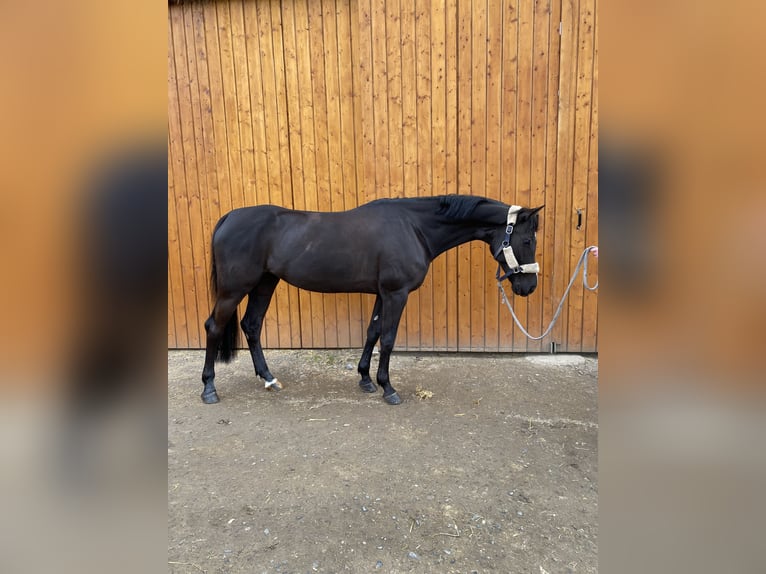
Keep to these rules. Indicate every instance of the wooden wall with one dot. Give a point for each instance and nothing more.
(327, 104)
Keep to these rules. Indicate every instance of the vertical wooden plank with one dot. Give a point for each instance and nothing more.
(361, 38)
(359, 78)
(367, 89)
(361, 15)
(523, 140)
(256, 162)
(464, 101)
(410, 325)
(348, 95)
(590, 302)
(280, 125)
(180, 335)
(423, 336)
(567, 91)
(267, 81)
(286, 297)
(325, 326)
(274, 324)
(194, 163)
(334, 151)
(187, 198)
(478, 162)
(172, 257)
(257, 192)
(212, 191)
(231, 103)
(380, 99)
(238, 82)
(380, 187)
(493, 159)
(540, 46)
(451, 157)
(506, 334)
(218, 112)
(294, 61)
(312, 306)
(580, 171)
(218, 109)
(172, 342)
(438, 162)
(322, 154)
(391, 36)
(547, 235)
(189, 209)
(202, 227)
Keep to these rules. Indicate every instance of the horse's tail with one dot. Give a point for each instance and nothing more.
(213, 272)
(227, 348)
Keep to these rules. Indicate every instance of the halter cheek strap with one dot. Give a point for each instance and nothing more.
(510, 258)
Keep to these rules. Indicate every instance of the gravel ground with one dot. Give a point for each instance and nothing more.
(489, 465)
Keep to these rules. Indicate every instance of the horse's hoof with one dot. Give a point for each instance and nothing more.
(393, 398)
(210, 398)
(367, 386)
(274, 385)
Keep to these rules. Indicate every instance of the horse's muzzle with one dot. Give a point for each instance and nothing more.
(524, 290)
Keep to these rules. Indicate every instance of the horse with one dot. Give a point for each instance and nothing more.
(384, 247)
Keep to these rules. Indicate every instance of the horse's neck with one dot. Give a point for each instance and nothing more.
(444, 235)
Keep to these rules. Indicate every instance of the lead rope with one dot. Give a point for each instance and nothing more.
(582, 262)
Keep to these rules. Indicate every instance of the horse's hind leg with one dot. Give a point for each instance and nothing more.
(252, 323)
(373, 334)
(221, 328)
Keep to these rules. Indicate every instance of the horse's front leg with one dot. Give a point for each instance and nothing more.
(391, 313)
(373, 334)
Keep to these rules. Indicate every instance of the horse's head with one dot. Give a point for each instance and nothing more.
(514, 248)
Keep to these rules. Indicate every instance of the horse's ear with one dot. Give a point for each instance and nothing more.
(531, 212)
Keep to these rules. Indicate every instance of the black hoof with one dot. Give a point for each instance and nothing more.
(393, 398)
(367, 386)
(210, 398)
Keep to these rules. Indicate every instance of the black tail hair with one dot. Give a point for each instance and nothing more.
(227, 348)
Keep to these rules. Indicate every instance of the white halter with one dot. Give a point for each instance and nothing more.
(510, 258)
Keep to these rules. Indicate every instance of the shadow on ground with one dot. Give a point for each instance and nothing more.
(494, 472)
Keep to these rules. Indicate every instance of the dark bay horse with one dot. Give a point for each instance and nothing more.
(384, 247)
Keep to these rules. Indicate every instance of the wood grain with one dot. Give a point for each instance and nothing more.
(328, 104)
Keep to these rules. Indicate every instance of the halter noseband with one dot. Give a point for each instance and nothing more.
(507, 250)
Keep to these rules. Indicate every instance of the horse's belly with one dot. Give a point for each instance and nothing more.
(322, 283)
(328, 275)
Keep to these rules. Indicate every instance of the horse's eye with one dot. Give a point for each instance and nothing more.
(527, 241)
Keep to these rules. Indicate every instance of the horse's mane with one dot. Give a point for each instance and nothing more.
(451, 206)
(461, 206)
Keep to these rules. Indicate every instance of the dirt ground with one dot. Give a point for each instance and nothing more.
(496, 471)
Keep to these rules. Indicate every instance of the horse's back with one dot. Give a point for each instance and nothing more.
(322, 251)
